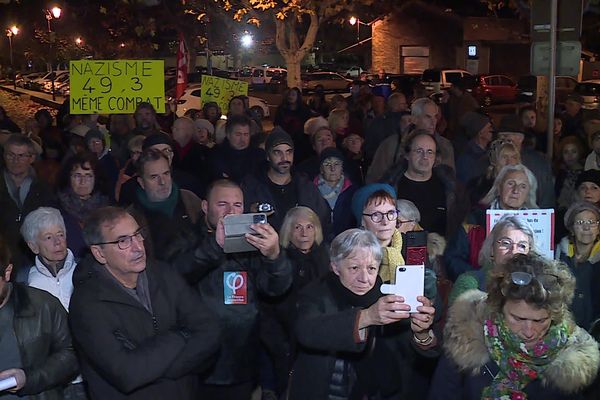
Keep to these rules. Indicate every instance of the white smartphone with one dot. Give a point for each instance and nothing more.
(410, 283)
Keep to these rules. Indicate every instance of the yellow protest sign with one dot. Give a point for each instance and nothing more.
(221, 90)
(116, 86)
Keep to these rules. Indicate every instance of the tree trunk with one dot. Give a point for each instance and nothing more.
(286, 40)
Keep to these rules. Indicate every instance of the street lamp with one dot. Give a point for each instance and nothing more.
(53, 13)
(247, 40)
(356, 21)
(12, 31)
(78, 41)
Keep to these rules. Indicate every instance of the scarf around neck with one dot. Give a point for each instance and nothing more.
(518, 365)
(166, 206)
(392, 257)
(330, 194)
(79, 208)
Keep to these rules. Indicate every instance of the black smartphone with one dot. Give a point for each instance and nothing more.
(414, 248)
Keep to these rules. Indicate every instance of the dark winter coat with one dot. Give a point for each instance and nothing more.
(325, 330)
(42, 332)
(128, 352)
(205, 267)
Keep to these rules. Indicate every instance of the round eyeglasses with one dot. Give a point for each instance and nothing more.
(377, 216)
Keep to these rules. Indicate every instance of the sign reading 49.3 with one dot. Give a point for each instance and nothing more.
(116, 86)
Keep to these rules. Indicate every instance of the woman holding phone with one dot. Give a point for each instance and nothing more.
(352, 343)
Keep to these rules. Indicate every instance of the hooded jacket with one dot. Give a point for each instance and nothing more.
(466, 368)
(586, 302)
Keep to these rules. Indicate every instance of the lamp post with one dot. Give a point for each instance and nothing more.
(53, 13)
(12, 31)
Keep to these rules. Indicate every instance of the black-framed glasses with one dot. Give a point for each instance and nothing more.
(377, 216)
(400, 222)
(124, 242)
(508, 244)
(522, 278)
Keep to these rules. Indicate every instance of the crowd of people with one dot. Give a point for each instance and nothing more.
(115, 282)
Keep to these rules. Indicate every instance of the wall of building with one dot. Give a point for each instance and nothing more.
(416, 25)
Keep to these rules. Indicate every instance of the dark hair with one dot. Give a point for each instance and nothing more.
(236, 120)
(299, 101)
(79, 160)
(16, 139)
(43, 113)
(240, 98)
(221, 183)
(145, 105)
(379, 197)
(92, 228)
(149, 155)
(5, 257)
(410, 138)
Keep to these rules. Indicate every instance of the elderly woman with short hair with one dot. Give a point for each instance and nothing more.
(509, 236)
(519, 340)
(45, 234)
(514, 189)
(352, 343)
(408, 216)
(580, 250)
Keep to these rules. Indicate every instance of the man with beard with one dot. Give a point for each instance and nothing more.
(145, 120)
(277, 190)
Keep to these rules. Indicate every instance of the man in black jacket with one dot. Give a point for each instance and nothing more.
(140, 331)
(21, 192)
(35, 344)
(230, 284)
(278, 187)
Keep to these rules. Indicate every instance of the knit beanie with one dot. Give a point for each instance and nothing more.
(359, 200)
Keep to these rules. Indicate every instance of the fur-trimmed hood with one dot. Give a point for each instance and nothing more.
(572, 370)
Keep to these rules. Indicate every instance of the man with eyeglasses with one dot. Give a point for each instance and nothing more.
(141, 332)
(21, 192)
(432, 190)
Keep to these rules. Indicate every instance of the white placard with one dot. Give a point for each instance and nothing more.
(8, 383)
(541, 221)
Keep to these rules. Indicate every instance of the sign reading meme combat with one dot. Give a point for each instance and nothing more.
(116, 86)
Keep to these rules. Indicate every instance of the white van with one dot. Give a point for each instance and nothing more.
(262, 75)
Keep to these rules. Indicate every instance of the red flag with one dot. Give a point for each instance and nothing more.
(182, 68)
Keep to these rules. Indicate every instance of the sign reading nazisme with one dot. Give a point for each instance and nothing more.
(221, 90)
(116, 86)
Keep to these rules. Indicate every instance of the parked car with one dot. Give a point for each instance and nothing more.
(590, 91)
(494, 89)
(60, 79)
(24, 80)
(191, 99)
(326, 81)
(527, 85)
(263, 75)
(353, 72)
(39, 83)
(435, 79)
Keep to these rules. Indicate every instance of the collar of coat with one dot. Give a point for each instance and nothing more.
(567, 247)
(572, 370)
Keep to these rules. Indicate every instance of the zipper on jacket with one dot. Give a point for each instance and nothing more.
(154, 323)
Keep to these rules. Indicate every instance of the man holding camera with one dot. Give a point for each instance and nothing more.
(230, 284)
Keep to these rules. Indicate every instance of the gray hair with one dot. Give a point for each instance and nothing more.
(417, 107)
(350, 240)
(312, 124)
(39, 219)
(507, 221)
(407, 209)
(576, 208)
(494, 192)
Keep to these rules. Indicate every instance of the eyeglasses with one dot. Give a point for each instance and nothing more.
(82, 177)
(12, 156)
(332, 164)
(124, 242)
(507, 244)
(377, 216)
(400, 222)
(521, 278)
(589, 222)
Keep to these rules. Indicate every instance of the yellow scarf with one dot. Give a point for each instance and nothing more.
(392, 257)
